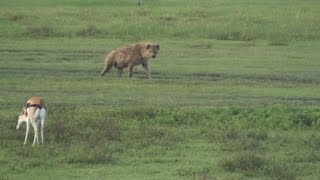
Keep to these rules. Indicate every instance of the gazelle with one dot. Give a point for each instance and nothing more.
(34, 111)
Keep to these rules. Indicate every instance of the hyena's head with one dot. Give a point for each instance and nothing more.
(151, 50)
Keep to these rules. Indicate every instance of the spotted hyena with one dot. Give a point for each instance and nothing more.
(130, 56)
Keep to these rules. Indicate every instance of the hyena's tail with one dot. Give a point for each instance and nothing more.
(108, 65)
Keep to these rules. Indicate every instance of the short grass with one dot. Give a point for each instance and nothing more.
(234, 94)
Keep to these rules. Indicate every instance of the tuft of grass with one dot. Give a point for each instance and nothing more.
(103, 132)
(195, 172)
(312, 141)
(39, 31)
(305, 119)
(90, 30)
(16, 17)
(310, 157)
(61, 131)
(86, 155)
(277, 43)
(248, 162)
(258, 134)
(280, 170)
(235, 36)
(252, 164)
(234, 140)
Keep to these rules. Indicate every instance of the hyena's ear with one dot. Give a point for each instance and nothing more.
(157, 46)
(148, 46)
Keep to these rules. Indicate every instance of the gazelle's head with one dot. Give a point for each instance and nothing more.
(22, 117)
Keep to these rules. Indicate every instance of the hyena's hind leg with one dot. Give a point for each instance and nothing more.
(106, 68)
(130, 69)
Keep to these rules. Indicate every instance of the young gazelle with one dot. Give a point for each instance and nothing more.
(33, 112)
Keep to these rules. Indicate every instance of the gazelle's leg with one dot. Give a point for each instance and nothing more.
(27, 132)
(42, 128)
(35, 129)
(37, 135)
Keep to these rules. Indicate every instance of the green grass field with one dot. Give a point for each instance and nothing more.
(234, 94)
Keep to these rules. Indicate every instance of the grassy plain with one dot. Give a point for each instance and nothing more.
(234, 94)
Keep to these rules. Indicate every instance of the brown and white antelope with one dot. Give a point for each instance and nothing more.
(34, 111)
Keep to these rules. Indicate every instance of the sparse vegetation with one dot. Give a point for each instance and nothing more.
(234, 94)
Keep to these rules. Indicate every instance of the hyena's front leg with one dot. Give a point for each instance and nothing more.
(146, 68)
